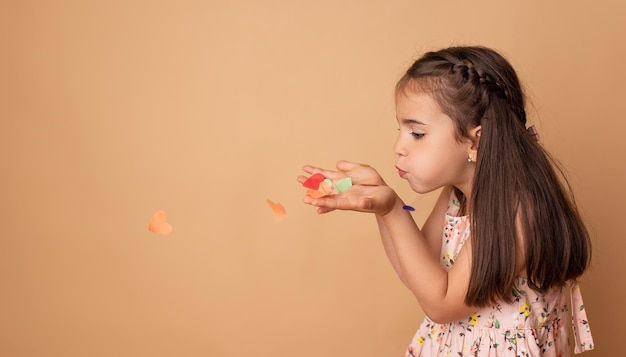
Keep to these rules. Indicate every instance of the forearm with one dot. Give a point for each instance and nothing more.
(389, 248)
(410, 251)
(418, 268)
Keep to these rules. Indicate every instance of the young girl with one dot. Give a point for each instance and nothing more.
(491, 265)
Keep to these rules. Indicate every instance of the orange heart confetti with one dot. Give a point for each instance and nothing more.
(158, 223)
(325, 189)
(279, 210)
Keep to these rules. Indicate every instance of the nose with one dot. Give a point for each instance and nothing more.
(398, 148)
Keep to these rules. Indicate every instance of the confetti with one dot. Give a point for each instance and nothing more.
(315, 193)
(314, 181)
(325, 189)
(158, 224)
(319, 186)
(279, 210)
(408, 208)
(365, 165)
(343, 184)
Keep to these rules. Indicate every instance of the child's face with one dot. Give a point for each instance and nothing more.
(429, 155)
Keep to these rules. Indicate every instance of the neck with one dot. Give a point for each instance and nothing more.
(464, 199)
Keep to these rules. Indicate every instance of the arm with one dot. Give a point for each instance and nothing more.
(432, 230)
(441, 294)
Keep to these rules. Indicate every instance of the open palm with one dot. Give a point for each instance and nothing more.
(369, 193)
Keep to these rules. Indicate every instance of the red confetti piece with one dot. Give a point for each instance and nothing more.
(314, 181)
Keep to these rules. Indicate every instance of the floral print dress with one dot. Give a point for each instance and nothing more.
(532, 325)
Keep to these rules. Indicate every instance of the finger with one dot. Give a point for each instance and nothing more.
(343, 165)
(310, 169)
(333, 175)
(324, 204)
(354, 169)
(360, 173)
(319, 202)
(322, 210)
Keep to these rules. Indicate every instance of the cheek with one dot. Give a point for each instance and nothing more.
(425, 167)
(436, 165)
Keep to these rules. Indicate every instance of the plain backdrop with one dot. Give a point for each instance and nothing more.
(112, 110)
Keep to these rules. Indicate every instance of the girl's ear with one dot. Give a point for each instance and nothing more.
(474, 142)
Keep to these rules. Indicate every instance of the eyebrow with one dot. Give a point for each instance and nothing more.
(411, 121)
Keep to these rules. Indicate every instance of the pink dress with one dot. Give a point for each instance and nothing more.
(532, 325)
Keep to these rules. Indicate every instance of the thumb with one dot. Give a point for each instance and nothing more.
(365, 203)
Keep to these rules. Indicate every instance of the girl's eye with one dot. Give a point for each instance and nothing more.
(416, 135)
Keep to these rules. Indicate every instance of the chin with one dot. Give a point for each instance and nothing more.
(421, 189)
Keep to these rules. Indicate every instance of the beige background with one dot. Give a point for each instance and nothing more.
(111, 110)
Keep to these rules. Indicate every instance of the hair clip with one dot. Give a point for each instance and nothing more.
(533, 132)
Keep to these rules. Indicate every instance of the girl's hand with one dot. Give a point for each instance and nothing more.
(368, 193)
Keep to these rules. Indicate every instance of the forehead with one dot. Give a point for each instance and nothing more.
(411, 103)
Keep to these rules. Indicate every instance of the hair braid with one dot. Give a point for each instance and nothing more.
(480, 77)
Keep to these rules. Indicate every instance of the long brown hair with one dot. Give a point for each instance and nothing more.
(514, 176)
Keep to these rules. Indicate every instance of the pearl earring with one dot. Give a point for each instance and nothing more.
(469, 159)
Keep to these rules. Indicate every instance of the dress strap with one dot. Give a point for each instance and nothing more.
(582, 333)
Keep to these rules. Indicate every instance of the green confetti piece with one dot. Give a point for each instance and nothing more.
(343, 184)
